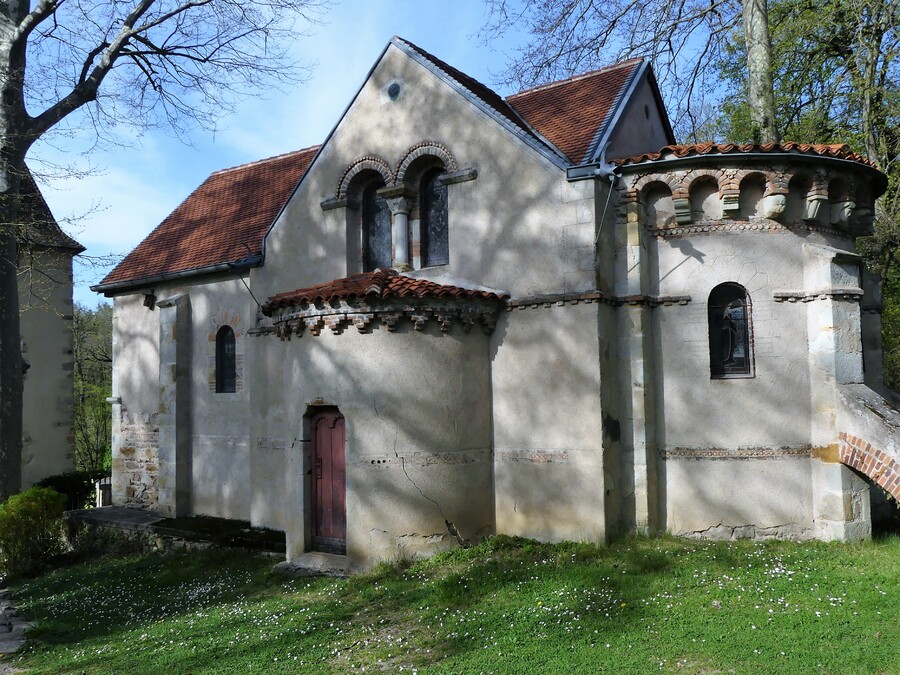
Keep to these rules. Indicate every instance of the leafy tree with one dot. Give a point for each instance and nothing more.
(92, 330)
(174, 62)
(837, 80)
(683, 38)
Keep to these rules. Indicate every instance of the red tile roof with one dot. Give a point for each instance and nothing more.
(380, 284)
(838, 151)
(569, 113)
(224, 220)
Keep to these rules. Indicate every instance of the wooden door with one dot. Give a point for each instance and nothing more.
(329, 512)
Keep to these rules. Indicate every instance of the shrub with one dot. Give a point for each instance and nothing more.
(31, 530)
(77, 486)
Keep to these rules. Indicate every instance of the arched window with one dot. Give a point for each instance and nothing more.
(434, 221)
(226, 374)
(730, 347)
(376, 229)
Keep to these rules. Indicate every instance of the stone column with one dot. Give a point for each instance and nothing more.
(635, 359)
(400, 207)
(174, 477)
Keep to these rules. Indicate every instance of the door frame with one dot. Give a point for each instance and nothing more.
(313, 541)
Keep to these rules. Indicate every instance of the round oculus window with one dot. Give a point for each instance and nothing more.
(394, 91)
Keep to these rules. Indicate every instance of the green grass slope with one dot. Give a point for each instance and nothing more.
(508, 605)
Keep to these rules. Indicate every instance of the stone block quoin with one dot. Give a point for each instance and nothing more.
(872, 461)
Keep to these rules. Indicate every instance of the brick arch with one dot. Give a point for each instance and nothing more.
(660, 212)
(425, 149)
(647, 180)
(752, 173)
(368, 163)
(871, 461)
(696, 176)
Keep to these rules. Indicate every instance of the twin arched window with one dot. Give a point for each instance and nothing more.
(430, 228)
(730, 347)
(226, 356)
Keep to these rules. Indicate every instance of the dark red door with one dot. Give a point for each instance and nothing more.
(329, 517)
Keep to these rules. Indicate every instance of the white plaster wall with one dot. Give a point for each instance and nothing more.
(733, 498)
(640, 129)
(417, 416)
(548, 451)
(221, 422)
(772, 408)
(48, 446)
(221, 461)
(518, 208)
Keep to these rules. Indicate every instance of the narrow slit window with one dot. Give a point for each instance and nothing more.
(376, 226)
(730, 343)
(435, 226)
(226, 372)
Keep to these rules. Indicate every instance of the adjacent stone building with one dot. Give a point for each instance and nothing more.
(45, 299)
(463, 314)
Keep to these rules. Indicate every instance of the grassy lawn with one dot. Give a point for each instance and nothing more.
(505, 606)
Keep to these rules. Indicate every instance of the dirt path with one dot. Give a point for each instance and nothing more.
(12, 631)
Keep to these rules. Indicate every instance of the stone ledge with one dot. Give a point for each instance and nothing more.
(363, 314)
(855, 294)
(589, 297)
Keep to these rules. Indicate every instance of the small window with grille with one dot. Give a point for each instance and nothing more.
(730, 334)
(226, 373)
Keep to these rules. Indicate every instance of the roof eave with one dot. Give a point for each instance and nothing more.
(544, 147)
(321, 147)
(115, 287)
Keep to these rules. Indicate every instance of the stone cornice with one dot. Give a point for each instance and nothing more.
(389, 312)
(853, 293)
(589, 297)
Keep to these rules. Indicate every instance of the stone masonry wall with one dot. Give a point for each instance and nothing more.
(136, 462)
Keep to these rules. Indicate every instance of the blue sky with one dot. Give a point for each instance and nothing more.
(132, 187)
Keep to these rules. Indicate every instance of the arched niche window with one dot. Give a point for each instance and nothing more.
(706, 204)
(798, 194)
(752, 194)
(659, 208)
(435, 244)
(730, 346)
(226, 373)
(376, 228)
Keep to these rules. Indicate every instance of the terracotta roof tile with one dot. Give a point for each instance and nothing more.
(838, 151)
(223, 220)
(380, 284)
(569, 113)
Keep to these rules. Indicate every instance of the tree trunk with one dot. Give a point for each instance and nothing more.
(10, 369)
(761, 90)
(13, 146)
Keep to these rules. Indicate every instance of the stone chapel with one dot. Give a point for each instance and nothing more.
(464, 314)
